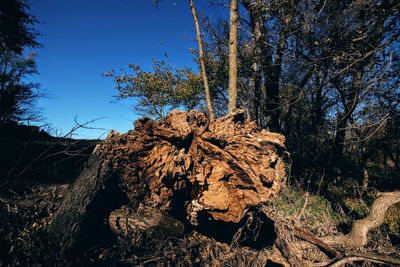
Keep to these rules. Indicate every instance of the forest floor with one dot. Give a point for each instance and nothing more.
(28, 203)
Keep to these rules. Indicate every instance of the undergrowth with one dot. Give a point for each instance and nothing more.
(312, 211)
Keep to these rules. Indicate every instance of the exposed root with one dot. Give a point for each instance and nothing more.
(349, 260)
(354, 257)
(358, 236)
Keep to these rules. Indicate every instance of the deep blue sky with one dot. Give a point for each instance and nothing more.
(84, 38)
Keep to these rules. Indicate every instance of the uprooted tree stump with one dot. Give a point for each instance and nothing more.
(220, 167)
(188, 170)
(187, 165)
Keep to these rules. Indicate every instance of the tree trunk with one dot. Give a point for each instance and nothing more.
(358, 235)
(256, 22)
(257, 92)
(233, 56)
(350, 101)
(365, 179)
(80, 218)
(202, 61)
(272, 103)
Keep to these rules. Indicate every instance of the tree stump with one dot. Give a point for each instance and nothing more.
(186, 162)
(184, 165)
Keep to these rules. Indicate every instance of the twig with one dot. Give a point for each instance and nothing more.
(306, 196)
(41, 155)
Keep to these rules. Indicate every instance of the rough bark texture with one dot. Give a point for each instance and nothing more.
(216, 168)
(75, 222)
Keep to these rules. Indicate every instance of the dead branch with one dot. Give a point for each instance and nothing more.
(159, 223)
(309, 237)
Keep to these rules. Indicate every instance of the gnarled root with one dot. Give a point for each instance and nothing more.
(358, 236)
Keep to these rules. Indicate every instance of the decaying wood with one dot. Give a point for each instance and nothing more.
(309, 237)
(189, 166)
(359, 233)
(284, 247)
(148, 219)
(187, 162)
(369, 256)
(356, 238)
(83, 203)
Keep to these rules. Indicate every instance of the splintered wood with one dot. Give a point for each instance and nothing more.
(188, 164)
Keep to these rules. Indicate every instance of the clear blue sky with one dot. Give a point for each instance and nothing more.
(84, 38)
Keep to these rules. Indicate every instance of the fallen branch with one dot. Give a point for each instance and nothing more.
(309, 237)
(148, 219)
(286, 249)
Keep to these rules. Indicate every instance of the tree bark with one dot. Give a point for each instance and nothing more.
(350, 101)
(202, 61)
(80, 218)
(233, 56)
(256, 22)
(272, 84)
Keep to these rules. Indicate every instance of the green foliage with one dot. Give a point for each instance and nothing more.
(160, 90)
(392, 219)
(316, 213)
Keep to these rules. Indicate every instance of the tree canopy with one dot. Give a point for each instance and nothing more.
(160, 90)
(17, 26)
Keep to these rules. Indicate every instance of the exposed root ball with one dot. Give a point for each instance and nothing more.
(186, 162)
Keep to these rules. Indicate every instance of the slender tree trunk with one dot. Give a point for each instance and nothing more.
(365, 178)
(272, 104)
(340, 138)
(202, 60)
(350, 103)
(256, 22)
(233, 52)
(257, 92)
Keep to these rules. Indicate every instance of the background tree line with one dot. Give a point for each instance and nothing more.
(324, 73)
(18, 39)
